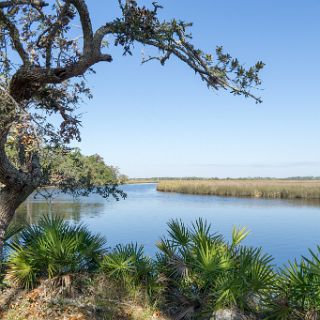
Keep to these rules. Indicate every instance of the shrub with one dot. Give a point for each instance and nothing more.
(128, 265)
(204, 273)
(53, 248)
(195, 273)
(297, 291)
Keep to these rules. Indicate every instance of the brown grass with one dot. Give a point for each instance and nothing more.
(98, 299)
(286, 189)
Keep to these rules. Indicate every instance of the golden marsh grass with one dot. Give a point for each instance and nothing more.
(285, 189)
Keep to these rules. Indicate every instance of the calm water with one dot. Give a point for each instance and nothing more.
(283, 228)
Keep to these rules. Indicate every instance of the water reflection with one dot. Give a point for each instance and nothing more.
(32, 211)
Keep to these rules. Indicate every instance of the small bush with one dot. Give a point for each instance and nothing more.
(296, 294)
(133, 271)
(204, 273)
(53, 248)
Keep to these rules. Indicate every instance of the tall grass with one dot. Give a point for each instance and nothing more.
(286, 189)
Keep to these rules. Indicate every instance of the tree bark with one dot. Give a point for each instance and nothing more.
(16, 184)
(10, 200)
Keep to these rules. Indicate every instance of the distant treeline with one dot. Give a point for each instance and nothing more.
(155, 179)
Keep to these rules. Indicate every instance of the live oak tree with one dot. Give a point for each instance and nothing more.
(43, 63)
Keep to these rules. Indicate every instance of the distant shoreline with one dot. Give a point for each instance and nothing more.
(140, 181)
(275, 188)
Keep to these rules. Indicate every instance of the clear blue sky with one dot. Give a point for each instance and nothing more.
(163, 121)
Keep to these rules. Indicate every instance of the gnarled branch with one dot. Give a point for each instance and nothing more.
(15, 37)
(9, 174)
(8, 4)
(53, 29)
(86, 24)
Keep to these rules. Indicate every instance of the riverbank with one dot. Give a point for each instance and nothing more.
(140, 181)
(93, 298)
(283, 189)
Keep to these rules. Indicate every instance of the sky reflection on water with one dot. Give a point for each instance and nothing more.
(284, 228)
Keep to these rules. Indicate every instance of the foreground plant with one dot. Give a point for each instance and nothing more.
(53, 249)
(297, 291)
(132, 270)
(195, 274)
(13, 230)
(204, 273)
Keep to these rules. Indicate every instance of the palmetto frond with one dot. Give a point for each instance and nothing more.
(202, 267)
(238, 235)
(129, 265)
(53, 248)
(179, 233)
(297, 291)
(13, 230)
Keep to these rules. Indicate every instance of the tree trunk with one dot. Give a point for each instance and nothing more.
(16, 183)
(10, 200)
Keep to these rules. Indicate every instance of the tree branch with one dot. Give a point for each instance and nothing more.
(61, 21)
(8, 4)
(86, 24)
(27, 81)
(9, 174)
(173, 44)
(138, 24)
(15, 37)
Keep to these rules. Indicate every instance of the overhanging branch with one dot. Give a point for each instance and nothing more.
(8, 4)
(15, 37)
(86, 24)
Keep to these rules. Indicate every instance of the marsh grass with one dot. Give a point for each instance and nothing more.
(283, 189)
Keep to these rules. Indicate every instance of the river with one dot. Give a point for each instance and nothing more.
(284, 228)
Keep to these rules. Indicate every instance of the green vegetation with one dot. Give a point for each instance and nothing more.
(53, 249)
(296, 292)
(74, 165)
(204, 273)
(69, 169)
(286, 189)
(195, 274)
(74, 173)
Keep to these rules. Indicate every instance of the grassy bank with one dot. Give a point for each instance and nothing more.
(92, 298)
(286, 189)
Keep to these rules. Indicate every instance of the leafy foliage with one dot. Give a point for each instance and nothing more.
(204, 273)
(53, 248)
(297, 291)
(69, 171)
(79, 175)
(129, 266)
